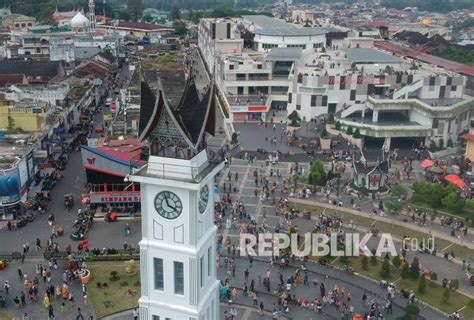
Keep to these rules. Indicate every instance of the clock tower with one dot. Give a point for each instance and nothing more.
(177, 250)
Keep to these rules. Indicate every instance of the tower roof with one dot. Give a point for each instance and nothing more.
(79, 21)
(184, 125)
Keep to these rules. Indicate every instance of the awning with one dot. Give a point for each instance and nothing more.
(427, 163)
(455, 180)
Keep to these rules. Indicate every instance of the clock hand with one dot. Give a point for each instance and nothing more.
(166, 200)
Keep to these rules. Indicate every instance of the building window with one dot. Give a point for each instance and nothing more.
(324, 103)
(259, 66)
(332, 79)
(156, 317)
(317, 45)
(269, 45)
(313, 101)
(241, 76)
(432, 81)
(178, 277)
(231, 67)
(209, 261)
(300, 78)
(298, 107)
(290, 96)
(158, 268)
(449, 81)
(454, 88)
(353, 95)
(201, 274)
(435, 123)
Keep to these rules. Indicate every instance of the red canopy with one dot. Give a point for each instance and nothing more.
(427, 163)
(456, 180)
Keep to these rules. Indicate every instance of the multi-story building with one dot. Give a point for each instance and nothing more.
(18, 21)
(382, 95)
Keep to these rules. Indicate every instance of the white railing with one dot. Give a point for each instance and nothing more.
(353, 108)
(403, 92)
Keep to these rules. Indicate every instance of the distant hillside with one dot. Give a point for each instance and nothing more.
(429, 5)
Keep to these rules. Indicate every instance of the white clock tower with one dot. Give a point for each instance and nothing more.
(177, 250)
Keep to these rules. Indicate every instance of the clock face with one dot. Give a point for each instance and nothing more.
(168, 205)
(203, 198)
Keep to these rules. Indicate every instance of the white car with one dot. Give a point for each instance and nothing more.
(108, 102)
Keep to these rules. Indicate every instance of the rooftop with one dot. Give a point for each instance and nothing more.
(275, 27)
(368, 55)
(285, 54)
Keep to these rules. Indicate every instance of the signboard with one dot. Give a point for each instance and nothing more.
(37, 110)
(40, 154)
(115, 197)
(92, 142)
(374, 181)
(93, 159)
(31, 162)
(23, 172)
(9, 186)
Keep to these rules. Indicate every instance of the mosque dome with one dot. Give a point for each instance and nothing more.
(79, 21)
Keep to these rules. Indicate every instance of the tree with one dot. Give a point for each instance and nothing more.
(317, 175)
(422, 285)
(396, 262)
(415, 269)
(385, 269)
(135, 9)
(338, 125)
(428, 193)
(10, 125)
(364, 261)
(432, 146)
(349, 130)
(399, 192)
(453, 202)
(446, 295)
(373, 257)
(175, 14)
(394, 206)
(405, 274)
(180, 27)
(357, 134)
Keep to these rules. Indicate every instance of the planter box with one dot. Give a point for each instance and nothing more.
(325, 144)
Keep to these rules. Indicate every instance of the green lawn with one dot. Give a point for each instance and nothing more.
(5, 316)
(396, 230)
(115, 297)
(432, 296)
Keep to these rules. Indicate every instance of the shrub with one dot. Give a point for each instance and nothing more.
(405, 274)
(441, 143)
(357, 133)
(114, 276)
(373, 258)
(385, 269)
(344, 259)
(338, 125)
(349, 130)
(450, 143)
(456, 284)
(325, 135)
(396, 262)
(331, 118)
(412, 310)
(434, 276)
(234, 138)
(365, 263)
(124, 283)
(432, 146)
(446, 295)
(422, 285)
(415, 269)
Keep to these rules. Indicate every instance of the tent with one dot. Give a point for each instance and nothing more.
(456, 180)
(427, 163)
(436, 170)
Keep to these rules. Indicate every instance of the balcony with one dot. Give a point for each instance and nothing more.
(393, 127)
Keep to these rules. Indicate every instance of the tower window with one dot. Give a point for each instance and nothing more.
(209, 261)
(158, 269)
(178, 278)
(201, 274)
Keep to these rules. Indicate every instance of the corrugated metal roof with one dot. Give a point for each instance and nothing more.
(359, 55)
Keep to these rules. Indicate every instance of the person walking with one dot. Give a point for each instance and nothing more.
(261, 308)
(20, 273)
(50, 312)
(135, 314)
(6, 286)
(79, 314)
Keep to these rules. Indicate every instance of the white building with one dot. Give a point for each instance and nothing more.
(178, 250)
(54, 94)
(276, 33)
